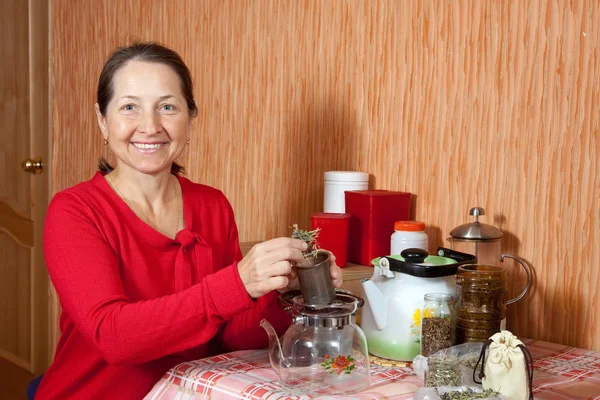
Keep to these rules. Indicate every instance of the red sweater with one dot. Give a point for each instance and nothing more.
(134, 302)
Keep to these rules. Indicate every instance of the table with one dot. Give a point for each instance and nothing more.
(561, 372)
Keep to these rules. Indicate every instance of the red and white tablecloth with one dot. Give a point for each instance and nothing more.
(561, 372)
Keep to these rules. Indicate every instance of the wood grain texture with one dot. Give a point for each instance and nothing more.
(15, 193)
(14, 104)
(14, 381)
(463, 103)
(19, 228)
(15, 302)
(40, 132)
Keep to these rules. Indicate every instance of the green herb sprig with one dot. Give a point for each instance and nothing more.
(309, 237)
(468, 394)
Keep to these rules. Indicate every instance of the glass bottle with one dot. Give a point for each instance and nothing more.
(437, 323)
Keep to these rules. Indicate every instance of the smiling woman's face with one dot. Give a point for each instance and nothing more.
(147, 122)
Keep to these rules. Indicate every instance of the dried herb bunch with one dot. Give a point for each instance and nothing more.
(442, 371)
(468, 394)
(469, 360)
(436, 333)
(309, 237)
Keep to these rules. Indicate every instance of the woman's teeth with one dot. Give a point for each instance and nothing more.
(147, 146)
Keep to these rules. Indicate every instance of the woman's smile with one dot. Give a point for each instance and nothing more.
(148, 148)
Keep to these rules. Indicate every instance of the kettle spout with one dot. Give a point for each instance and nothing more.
(377, 302)
(275, 354)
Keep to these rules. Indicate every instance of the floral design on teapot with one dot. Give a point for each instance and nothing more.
(415, 328)
(339, 364)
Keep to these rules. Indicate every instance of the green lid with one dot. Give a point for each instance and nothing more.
(430, 260)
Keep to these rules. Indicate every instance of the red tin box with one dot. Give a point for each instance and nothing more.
(372, 217)
(333, 235)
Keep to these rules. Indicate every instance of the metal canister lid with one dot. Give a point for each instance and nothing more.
(476, 230)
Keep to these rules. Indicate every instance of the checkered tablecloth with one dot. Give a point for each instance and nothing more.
(561, 372)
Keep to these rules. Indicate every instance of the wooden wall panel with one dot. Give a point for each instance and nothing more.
(463, 103)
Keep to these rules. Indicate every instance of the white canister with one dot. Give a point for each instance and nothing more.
(409, 234)
(336, 183)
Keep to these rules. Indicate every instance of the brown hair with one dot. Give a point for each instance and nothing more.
(148, 52)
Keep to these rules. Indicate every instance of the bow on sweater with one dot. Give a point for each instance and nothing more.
(193, 253)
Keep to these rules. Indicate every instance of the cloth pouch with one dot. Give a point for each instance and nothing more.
(508, 367)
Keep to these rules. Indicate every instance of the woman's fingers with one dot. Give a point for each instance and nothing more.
(293, 274)
(280, 243)
(336, 274)
(282, 254)
(277, 282)
(268, 265)
(280, 268)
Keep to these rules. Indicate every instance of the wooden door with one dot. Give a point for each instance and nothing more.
(24, 117)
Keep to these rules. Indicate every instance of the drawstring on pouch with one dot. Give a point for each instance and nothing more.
(481, 359)
(528, 368)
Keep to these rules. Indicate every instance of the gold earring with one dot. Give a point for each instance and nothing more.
(188, 141)
(105, 142)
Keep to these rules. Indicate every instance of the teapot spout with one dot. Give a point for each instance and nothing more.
(275, 354)
(377, 303)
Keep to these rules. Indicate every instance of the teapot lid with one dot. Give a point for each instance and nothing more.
(477, 230)
(417, 262)
(345, 303)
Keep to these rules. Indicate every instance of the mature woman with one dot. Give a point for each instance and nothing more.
(146, 263)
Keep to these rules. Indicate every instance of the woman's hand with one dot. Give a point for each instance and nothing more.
(267, 266)
(334, 271)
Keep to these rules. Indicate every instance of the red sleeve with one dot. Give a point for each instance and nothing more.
(243, 331)
(85, 272)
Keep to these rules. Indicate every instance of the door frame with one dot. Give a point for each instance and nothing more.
(40, 125)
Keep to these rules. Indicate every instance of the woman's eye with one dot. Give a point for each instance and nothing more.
(128, 107)
(168, 107)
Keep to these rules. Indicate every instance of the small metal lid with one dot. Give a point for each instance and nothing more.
(476, 230)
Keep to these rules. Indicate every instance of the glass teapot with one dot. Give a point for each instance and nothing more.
(485, 243)
(323, 350)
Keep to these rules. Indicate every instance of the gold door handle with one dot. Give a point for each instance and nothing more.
(35, 166)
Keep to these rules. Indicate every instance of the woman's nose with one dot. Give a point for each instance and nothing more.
(150, 123)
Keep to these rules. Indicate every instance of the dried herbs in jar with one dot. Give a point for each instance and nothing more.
(437, 325)
(481, 308)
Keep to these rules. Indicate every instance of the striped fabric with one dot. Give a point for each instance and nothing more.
(561, 372)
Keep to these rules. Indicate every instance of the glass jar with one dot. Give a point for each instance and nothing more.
(437, 323)
(481, 307)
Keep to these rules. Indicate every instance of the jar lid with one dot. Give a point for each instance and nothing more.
(477, 230)
(347, 176)
(412, 226)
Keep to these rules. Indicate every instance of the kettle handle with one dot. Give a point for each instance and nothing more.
(527, 272)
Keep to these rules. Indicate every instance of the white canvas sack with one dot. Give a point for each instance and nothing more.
(507, 368)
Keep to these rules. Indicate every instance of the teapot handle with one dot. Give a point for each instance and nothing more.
(527, 272)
